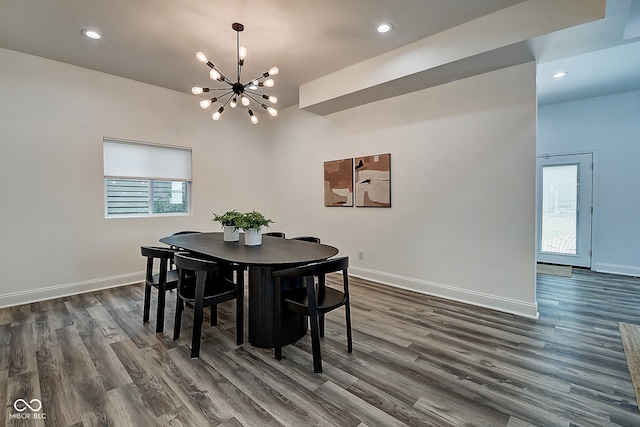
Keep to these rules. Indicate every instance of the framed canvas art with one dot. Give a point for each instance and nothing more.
(338, 182)
(373, 181)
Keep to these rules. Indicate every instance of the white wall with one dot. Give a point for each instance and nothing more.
(463, 179)
(462, 219)
(609, 127)
(53, 116)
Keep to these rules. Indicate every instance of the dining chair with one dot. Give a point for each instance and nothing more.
(274, 234)
(177, 233)
(213, 284)
(312, 300)
(176, 248)
(165, 280)
(312, 239)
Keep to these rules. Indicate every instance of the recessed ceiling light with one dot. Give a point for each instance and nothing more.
(92, 34)
(559, 74)
(384, 28)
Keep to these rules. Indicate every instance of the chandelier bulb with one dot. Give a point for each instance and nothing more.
(254, 119)
(268, 83)
(271, 110)
(217, 114)
(233, 102)
(272, 99)
(204, 104)
(214, 74)
(201, 57)
(242, 52)
(273, 71)
(245, 100)
(196, 90)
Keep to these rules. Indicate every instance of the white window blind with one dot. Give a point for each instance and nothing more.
(132, 159)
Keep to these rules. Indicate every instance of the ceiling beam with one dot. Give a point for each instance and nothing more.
(489, 43)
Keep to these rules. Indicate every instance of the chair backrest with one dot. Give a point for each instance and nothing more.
(315, 269)
(177, 233)
(188, 262)
(155, 252)
(311, 239)
(274, 234)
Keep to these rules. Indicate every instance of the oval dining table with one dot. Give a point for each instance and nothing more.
(273, 254)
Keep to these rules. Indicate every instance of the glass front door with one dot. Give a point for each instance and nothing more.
(564, 209)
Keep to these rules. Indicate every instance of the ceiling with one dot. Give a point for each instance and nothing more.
(601, 57)
(154, 41)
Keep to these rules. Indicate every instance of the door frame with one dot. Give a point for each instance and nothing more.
(584, 232)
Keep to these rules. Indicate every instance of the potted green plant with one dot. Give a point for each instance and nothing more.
(252, 223)
(230, 224)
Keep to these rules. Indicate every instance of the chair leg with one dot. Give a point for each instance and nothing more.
(147, 303)
(240, 307)
(315, 332)
(214, 314)
(315, 344)
(277, 320)
(197, 317)
(321, 324)
(347, 310)
(160, 310)
(178, 321)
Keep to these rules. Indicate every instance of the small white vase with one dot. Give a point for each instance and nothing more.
(231, 233)
(253, 237)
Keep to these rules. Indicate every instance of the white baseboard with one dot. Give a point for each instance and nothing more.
(494, 302)
(59, 291)
(626, 270)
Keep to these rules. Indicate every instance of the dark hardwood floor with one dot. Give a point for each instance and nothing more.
(417, 361)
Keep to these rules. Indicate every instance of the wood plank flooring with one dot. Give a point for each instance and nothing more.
(417, 361)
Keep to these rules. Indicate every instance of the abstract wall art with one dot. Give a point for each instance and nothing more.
(373, 181)
(338, 182)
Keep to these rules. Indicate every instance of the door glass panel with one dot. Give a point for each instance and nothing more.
(559, 209)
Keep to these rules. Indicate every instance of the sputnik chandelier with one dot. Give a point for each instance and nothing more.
(236, 91)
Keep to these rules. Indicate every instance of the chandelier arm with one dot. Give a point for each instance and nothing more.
(270, 98)
(225, 94)
(239, 64)
(219, 98)
(228, 99)
(255, 80)
(248, 95)
(255, 93)
(225, 79)
(213, 67)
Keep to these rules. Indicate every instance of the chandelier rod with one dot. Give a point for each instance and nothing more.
(238, 29)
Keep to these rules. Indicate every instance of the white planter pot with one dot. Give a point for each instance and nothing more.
(252, 237)
(231, 233)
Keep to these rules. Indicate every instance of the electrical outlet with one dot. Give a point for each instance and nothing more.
(360, 254)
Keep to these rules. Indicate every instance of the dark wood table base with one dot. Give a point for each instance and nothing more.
(261, 294)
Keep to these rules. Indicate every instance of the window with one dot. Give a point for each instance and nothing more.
(144, 179)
